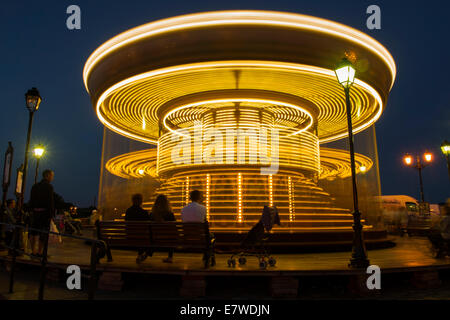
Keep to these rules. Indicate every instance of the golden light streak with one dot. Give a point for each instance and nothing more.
(329, 108)
(270, 190)
(290, 199)
(235, 18)
(208, 182)
(239, 184)
(187, 189)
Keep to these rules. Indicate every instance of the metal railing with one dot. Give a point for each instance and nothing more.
(94, 258)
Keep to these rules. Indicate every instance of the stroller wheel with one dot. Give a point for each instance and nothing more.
(263, 264)
(242, 261)
(231, 262)
(272, 262)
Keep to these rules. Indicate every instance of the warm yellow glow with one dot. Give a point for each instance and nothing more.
(335, 163)
(187, 189)
(130, 165)
(239, 184)
(241, 100)
(408, 160)
(428, 157)
(248, 17)
(270, 190)
(208, 183)
(38, 151)
(119, 112)
(236, 199)
(291, 216)
(299, 151)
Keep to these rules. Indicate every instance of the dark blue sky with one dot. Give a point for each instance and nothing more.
(38, 50)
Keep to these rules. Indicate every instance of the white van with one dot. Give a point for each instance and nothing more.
(398, 210)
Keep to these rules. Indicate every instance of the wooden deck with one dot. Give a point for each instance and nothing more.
(410, 254)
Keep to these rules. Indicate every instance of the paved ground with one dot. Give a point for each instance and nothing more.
(394, 286)
(222, 283)
(410, 253)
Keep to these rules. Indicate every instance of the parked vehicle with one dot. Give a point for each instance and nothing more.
(403, 214)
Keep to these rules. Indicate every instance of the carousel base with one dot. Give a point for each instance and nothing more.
(298, 241)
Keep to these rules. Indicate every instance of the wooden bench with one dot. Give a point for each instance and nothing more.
(129, 234)
(158, 236)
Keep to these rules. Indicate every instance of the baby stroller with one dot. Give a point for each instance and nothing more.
(255, 243)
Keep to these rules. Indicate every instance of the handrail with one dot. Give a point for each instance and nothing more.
(95, 243)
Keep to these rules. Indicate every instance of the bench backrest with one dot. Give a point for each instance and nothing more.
(124, 233)
(154, 234)
(179, 234)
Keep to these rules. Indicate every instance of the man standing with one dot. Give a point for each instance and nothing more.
(194, 211)
(43, 205)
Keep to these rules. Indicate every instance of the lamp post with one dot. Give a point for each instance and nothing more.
(32, 100)
(38, 152)
(445, 147)
(345, 74)
(419, 165)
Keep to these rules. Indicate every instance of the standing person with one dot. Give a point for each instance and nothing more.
(43, 208)
(137, 213)
(161, 211)
(194, 211)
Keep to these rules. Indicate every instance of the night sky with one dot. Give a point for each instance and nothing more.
(37, 50)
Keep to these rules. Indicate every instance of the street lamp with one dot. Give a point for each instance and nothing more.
(38, 152)
(419, 165)
(32, 100)
(445, 147)
(345, 74)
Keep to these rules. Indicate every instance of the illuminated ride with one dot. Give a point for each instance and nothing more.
(238, 104)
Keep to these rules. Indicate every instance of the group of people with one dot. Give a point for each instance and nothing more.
(161, 211)
(42, 209)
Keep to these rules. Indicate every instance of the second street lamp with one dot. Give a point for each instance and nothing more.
(32, 100)
(419, 165)
(345, 74)
(445, 147)
(38, 152)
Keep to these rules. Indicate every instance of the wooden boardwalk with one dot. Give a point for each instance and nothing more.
(410, 254)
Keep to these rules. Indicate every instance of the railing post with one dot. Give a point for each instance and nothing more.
(13, 262)
(93, 271)
(43, 267)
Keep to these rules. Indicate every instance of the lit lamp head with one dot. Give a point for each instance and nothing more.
(445, 147)
(38, 151)
(363, 169)
(428, 156)
(32, 99)
(141, 171)
(345, 73)
(408, 159)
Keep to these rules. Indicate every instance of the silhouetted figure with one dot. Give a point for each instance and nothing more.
(137, 213)
(43, 208)
(161, 211)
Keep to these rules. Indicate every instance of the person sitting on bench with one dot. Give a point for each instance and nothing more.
(137, 213)
(161, 211)
(194, 211)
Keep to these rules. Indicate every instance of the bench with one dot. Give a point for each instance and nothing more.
(158, 236)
